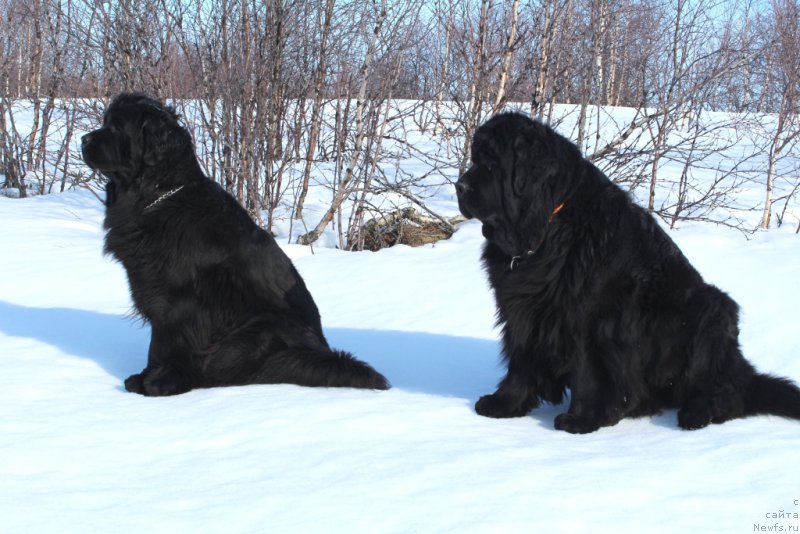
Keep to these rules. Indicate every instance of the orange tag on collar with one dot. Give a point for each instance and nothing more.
(555, 212)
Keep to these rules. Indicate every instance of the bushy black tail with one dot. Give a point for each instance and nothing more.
(773, 395)
(319, 367)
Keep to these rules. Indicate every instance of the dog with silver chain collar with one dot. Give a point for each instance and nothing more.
(224, 302)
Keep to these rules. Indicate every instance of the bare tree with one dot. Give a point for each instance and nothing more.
(316, 108)
(508, 55)
(360, 127)
(783, 60)
(477, 77)
(443, 69)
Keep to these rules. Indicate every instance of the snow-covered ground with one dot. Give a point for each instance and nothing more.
(79, 454)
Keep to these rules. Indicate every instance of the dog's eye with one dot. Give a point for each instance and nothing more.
(484, 168)
(486, 165)
(112, 127)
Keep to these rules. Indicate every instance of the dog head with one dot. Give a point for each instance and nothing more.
(516, 178)
(138, 133)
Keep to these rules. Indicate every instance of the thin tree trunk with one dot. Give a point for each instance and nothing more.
(475, 101)
(439, 127)
(508, 55)
(316, 110)
(546, 45)
(766, 215)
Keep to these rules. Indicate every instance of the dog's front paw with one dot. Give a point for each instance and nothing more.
(499, 406)
(164, 385)
(575, 424)
(134, 384)
(158, 383)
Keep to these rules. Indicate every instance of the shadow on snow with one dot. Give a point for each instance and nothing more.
(434, 364)
(427, 363)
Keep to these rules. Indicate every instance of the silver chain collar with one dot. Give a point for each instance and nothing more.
(163, 197)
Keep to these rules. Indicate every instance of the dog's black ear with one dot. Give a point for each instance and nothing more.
(162, 138)
(534, 161)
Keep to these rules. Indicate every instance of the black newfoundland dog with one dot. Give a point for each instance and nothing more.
(225, 304)
(594, 297)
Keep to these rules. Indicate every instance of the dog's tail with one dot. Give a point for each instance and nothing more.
(772, 395)
(321, 367)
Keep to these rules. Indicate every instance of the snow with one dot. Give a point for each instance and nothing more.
(79, 454)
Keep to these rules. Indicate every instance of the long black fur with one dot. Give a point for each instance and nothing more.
(225, 304)
(594, 297)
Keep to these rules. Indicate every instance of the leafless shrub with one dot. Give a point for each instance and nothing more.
(285, 97)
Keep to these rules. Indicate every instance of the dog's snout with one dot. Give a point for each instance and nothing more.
(462, 188)
(85, 139)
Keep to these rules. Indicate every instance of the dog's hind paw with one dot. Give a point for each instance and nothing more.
(694, 417)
